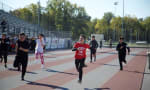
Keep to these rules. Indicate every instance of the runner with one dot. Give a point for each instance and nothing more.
(93, 46)
(4, 45)
(80, 55)
(110, 43)
(22, 48)
(39, 49)
(101, 44)
(121, 48)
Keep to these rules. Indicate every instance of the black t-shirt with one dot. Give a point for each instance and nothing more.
(93, 44)
(24, 45)
(123, 50)
(3, 23)
(4, 44)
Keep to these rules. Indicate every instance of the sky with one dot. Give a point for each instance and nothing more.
(97, 8)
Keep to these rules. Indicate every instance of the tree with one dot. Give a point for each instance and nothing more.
(146, 25)
(108, 16)
(61, 15)
(103, 26)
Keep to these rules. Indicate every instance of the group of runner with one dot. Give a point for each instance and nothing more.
(22, 49)
(80, 55)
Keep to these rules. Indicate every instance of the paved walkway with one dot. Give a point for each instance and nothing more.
(60, 72)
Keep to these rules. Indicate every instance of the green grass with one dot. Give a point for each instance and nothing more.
(130, 44)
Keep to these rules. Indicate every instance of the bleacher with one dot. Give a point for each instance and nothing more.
(16, 25)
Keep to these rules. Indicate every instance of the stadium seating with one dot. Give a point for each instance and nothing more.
(16, 25)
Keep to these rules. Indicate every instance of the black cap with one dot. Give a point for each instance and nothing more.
(22, 34)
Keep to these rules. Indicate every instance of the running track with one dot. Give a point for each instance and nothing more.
(60, 72)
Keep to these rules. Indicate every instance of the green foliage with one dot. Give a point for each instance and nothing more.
(58, 15)
(61, 15)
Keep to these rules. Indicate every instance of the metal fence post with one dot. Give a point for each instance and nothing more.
(148, 58)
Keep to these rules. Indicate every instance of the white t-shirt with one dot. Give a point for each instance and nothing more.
(39, 47)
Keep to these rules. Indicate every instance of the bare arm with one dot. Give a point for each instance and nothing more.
(23, 49)
(16, 47)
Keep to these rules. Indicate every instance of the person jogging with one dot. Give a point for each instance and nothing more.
(101, 44)
(93, 46)
(22, 48)
(39, 49)
(121, 48)
(80, 55)
(110, 43)
(4, 45)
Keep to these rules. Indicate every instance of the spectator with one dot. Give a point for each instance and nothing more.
(3, 25)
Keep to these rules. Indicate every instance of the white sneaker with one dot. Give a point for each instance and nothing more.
(42, 66)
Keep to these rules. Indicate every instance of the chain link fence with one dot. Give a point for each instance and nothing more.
(13, 26)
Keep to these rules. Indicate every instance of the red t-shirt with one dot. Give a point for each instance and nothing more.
(81, 50)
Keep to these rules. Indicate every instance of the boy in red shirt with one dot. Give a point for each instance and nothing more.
(80, 55)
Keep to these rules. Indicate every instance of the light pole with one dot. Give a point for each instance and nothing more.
(115, 4)
(39, 12)
(123, 20)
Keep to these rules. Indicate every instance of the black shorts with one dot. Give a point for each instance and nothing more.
(93, 51)
(79, 62)
(122, 57)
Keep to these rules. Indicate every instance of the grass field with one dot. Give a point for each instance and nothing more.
(130, 44)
